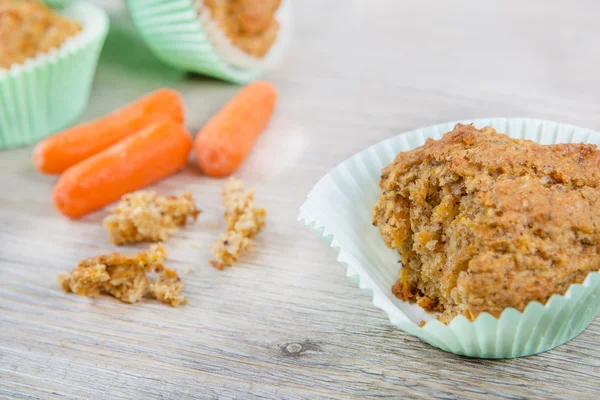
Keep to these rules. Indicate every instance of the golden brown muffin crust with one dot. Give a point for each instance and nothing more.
(29, 28)
(483, 222)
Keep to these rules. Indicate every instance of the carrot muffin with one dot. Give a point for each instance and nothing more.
(29, 28)
(249, 24)
(483, 222)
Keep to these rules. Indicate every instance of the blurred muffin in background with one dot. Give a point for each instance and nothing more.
(47, 65)
(233, 40)
(29, 28)
(249, 24)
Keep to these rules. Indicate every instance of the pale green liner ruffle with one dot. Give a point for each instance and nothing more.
(173, 31)
(339, 208)
(57, 4)
(50, 91)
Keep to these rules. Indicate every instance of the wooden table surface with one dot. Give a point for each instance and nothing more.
(285, 322)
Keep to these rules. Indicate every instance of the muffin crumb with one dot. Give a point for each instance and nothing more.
(167, 288)
(228, 248)
(125, 277)
(144, 216)
(244, 220)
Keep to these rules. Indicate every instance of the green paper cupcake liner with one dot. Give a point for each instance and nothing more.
(48, 92)
(57, 4)
(176, 33)
(339, 209)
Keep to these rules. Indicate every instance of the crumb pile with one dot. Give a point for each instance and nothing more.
(249, 24)
(125, 277)
(146, 217)
(244, 220)
(483, 222)
(29, 28)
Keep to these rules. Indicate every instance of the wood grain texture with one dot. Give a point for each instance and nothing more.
(286, 323)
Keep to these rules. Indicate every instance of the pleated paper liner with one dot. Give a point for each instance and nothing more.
(57, 4)
(180, 33)
(48, 92)
(339, 209)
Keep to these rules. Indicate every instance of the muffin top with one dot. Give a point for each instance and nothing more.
(484, 222)
(29, 28)
(249, 24)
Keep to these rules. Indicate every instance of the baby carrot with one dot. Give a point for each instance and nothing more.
(225, 141)
(65, 149)
(147, 156)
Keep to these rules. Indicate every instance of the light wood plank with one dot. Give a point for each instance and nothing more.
(286, 323)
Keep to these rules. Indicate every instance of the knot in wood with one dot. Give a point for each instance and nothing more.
(293, 348)
(297, 349)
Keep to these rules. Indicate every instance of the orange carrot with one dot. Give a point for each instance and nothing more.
(147, 156)
(225, 141)
(65, 149)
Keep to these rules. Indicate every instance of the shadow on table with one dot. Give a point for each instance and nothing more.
(128, 69)
(126, 52)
